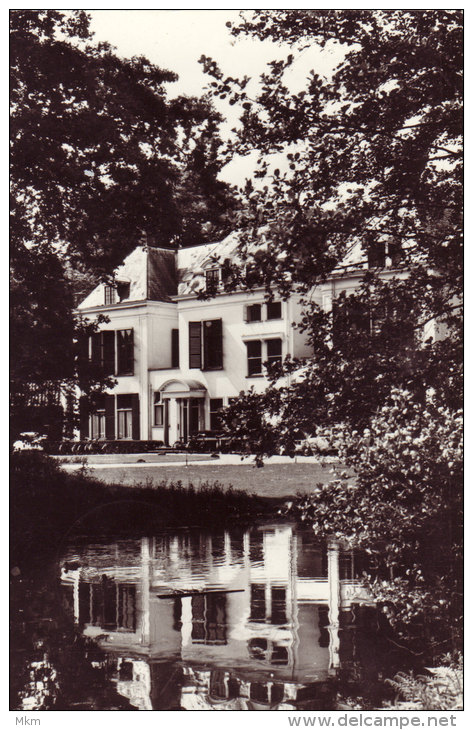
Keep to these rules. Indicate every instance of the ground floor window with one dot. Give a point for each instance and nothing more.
(158, 415)
(98, 425)
(216, 404)
(125, 424)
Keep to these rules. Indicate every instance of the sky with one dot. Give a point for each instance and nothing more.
(176, 39)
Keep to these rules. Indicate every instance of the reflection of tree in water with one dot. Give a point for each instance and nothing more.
(54, 667)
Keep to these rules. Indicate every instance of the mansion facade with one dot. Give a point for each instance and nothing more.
(178, 357)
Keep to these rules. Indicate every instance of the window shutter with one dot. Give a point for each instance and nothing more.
(175, 348)
(110, 417)
(96, 348)
(135, 416)
(195, 355)
(108, 352)
(246, 315)
(84, 417)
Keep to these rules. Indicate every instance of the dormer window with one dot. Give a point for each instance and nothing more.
(109, 294)
(384, 255)
(212, 279)
(123, 290)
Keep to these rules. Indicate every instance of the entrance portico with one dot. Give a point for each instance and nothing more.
(184, 415)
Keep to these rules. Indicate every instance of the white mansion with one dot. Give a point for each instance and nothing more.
(178, 358)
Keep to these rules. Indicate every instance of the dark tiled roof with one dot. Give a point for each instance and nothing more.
(161, 274)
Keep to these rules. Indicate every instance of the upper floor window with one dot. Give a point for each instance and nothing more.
(206, 345)
(254, 355)
(253, 313)
(125, 352)
(109, 294)
(260, 351)
(273, 310)
(274, 351)
(102, 353)
(113, 352)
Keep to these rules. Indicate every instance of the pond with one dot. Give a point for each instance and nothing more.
(267, 618)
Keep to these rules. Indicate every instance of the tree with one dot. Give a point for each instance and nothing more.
(368, 158)
(101, 161)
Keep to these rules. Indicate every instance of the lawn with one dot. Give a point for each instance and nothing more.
(272, 480)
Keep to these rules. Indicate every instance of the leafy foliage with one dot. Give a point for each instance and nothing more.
(441, 690)
(101, 160)
(405, 508)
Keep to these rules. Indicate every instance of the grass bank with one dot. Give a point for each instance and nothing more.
(272, 481)
(48, 506)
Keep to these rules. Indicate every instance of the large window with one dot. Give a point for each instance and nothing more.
(125, 352)
(103, 351)
(205, 345)
(113, 352)
(260, 351)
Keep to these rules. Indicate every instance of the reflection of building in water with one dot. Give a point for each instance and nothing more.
(251, 617)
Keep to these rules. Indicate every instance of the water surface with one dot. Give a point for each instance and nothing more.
(267, 618)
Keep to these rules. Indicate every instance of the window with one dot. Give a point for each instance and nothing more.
(377, 256)
(125, 352)
(382, 255)
(124, 424)
(98, 424)
(125, 416)
(215, 406)
(103, 351)
(255, 361)
(274, 351)
(257, 603)
(174, 348)
(209, 625)
(158, 410)
(278, 606)
(273, 310)
(213, 355)
(253, 313)
(109, 294)
(206, 338)
(123, 290)
(212, 279)
(259, 351)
